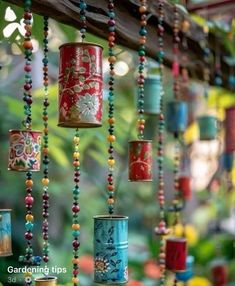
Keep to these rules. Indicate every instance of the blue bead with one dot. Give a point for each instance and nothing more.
(111, 14)
(111, 29)
(83, 5)
(76, 233)
(143, 31)
(45, 61)
(29, 226)
(218, 81)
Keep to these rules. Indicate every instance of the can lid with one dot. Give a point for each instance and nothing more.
(140, 140)
(113, 217)
(5, 210)
(177, 239)
(80, 44)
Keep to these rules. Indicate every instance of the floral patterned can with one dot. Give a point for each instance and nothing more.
(140, 160)
(176, 254)
(110, 249)
(5, 232)
(24, 150)
(80, 85)
(46, 281)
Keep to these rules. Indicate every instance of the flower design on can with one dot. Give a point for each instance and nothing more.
(126, 273)
(87, 106)
(101, 265)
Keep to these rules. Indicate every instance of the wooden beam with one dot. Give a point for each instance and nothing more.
(127, 27)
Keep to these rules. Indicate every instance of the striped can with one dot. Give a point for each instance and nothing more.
(110, 249)
(5, 232)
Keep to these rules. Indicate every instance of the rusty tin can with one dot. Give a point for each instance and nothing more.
(140, 160)
(5, 232)
(176, 254)
(24, 150)
(80, 85)
(229, 129)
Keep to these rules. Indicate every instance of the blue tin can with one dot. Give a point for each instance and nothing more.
(152, 94)
(186, 275)
(207, 127)
(5, 232)
(110, 249)
(176, 116)
(228, 161)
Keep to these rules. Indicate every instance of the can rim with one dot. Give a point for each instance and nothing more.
(207, 116)
(5, 210)
(140, 140)
(113, 217)
(46, 278)
(177, 101)
(178, 239)
(25, 130)
(230, 108)
(80, 44)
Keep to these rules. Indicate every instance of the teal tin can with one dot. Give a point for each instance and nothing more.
(110, 249)
(228, 161)
(176, 116)
(186, 275)
(5, 232)
(152, 94)
(207, 127)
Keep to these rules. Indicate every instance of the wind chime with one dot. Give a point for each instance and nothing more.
(25, 144)
(177, 116)
(111, 231)
(161, 229)
(80, 106)
(140, 151)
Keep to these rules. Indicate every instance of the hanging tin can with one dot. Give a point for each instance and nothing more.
(80, 85)
(46, 281)
(176, 253)
(152, 94)
(5, 232)
(110, 249)
(219, 270)
(186, 275)
(24, 150)
(140, 160)
(229, 129)
(228, 161)
(176, 116)
(185, 187)
(207, 127)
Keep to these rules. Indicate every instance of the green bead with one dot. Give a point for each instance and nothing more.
(76, 191)
(76, 233)
(29, 226)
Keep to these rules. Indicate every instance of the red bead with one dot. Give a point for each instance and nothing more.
(75, 208)
(29, 200)
(45, 258)
(75, 272)
(28, 235)
(76, 244)
(27, 68)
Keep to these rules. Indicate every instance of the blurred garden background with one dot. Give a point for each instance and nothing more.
(208, 219)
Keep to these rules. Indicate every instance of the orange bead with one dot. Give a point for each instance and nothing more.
(112, 59)
(185, 26)
(29, 217)
(75, 260)
(45, 151)
(111, 39)
(29, 183)
(76, 163)
(110, 188)
(75, 226)
(142, 9)
(143, 23)
(142, 41)
(75, 280)
(111, 120)
(27, 45)
(28, 27)
(46, 130)
(45, 181)
(110, 201)
(45, 117)
(111, 162)
(111, 138)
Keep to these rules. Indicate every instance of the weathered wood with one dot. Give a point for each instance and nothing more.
(127, 27)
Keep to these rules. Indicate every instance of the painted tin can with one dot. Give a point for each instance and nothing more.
(110, 249)
(207, 127)
(219, 271)
(5, 232)
(176, 116)
(176, 254)
(80, 85)
(24, 150)
(185, 187)
(152, 94)
(228, 161)
(140, 160)
(46, 281)
(186, 275)
(229, 129)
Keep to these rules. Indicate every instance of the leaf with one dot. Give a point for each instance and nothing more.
(82, 70)
(118, 261)
(77, 88)
(85, 59)
(110, 231)
(114, 253)
(113, 263)
(114, 270)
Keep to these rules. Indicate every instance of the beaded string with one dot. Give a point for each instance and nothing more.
(142, 60)
(83, 7)
(184, 71)
(161, 228)
(206, 59)
(111, 120)
(45, 150)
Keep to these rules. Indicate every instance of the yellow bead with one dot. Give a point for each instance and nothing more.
(75, 280)
(45, 181)
(75, 226)
(29, 183)
(111, 138)
(29, 217)
(112, 59)
(185, 26)
(76, 155)
(206, 29)
(28, 274)
(76, 140)
(110, 201)
(111, 162)
(141, 121)
(142, 9)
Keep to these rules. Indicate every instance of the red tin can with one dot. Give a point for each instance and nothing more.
(140, 160)
(80, 85)
(219, 273)
(185, 187)
(229, 129)
(176, 254)
(24, 150)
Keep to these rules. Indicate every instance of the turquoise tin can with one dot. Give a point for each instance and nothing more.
(228, 161)
(110, 249)
(152, 94)
(207, 127)
(5, 232)
(176, 116)
(186, 275)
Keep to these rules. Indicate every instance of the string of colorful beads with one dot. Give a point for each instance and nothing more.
(76, 209)
(206, 60)
(83, 7)
(111, 120)
(45, 180)
(142, 41)
(218, 72)
(184, 71)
